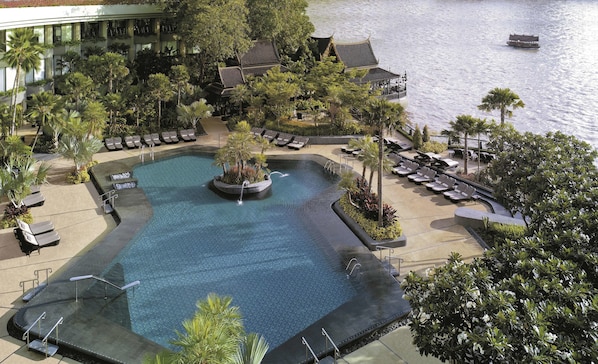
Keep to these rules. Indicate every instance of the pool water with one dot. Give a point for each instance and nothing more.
(259, 252)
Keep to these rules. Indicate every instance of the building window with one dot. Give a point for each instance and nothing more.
(90, 30)
(60, 66)
(117, 28)
(2, 79)
(143, 27)
(63, 33)
(39, 33)
(169, 48)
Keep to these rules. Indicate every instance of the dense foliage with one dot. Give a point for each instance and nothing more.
(390, 232)
(531, 298)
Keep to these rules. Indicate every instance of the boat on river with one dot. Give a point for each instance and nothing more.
(524, 41)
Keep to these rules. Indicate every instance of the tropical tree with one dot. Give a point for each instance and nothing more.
(180, 76)
(78, 87)
(418, 139)
(240, 94)
(368, 153)
(158, 88)
(215, 334)
(18, 175)
(217, 29)
(278, 88)
(114, 104)
(481, 127)
(529, 168)
(42, 108)
(107, 69)
(284, 21)
(382, 114)
(139, 103)
(465, 125)
(192, 114)
(23, 53)
(502, 99)
(94, 116)
(79, 150)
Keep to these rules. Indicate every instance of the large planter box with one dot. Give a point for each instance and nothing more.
(7, 99)
(363, 236)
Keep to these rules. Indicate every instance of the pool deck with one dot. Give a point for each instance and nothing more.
(427, 220)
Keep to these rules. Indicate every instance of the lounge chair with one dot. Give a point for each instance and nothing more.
(173, 137)
(30, 242)
(156, 139)
(257, 131)
(427, 174)
(121, 176)
(166, 137)
(34, 189)
(284, 139)
(442, 184)
(408, 167)
(184, 134)
(34, 200)
(445, 163)
(133, 141)
(118, 143)
(109, 143)
(191, 134)
(270, 135)
(36, 228)
(124, 185)
(298, 143)
(461, 192)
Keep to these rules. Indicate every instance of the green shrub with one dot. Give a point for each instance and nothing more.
(495, 234)
(433, 146)
(78, 177)
(391, 232)
(11, 214)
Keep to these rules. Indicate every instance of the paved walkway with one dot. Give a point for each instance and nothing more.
(426, 218)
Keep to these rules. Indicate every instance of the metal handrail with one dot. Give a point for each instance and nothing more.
(381, 248)
(106, 284)
(37, 321)
(307, 347)
(45, 339)
(351, 261)
(328, 338)
(32, 280)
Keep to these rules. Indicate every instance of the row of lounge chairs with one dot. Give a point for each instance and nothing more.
(33, 237)
(443, 183)
(280, 139)
(152, 139)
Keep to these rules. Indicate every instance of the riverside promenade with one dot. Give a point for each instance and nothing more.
(426, 218)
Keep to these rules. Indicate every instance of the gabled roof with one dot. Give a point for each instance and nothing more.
(356, 55)
(231, 76)
(377, 74)
(262, 53)
(323, 46)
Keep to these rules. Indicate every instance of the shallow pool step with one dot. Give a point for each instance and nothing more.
(32, 293)
(38, 345)
(108, 209)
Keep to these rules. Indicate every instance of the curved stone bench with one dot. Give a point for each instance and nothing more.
(474, 218)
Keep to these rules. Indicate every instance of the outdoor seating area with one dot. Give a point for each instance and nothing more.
(442, 184)
(461, 192)
(406, 168)
(33, 237)
(424, 174)
(298, 142)
(280, 139)
(188, 135)
(170, 137)
(133, 141)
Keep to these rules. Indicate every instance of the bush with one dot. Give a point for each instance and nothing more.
(433, 146)
(11, 213)
(390, 232)
(81, 176)
(495, 234)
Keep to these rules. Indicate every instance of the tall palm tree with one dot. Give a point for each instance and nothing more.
(43, 107)
(381, 114)
(23, 53)
(482, 126)
(369, 151)
(501, 99)
(465, 125)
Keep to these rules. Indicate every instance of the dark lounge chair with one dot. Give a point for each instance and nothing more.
(118, 143)
(184, 134)
(270, 135)
(156, 139)
(109, 143)
(191, 134)
(173, 137)
(284, 139)
(34, 200)
(298, 142)
(133, 141)
(29, 242)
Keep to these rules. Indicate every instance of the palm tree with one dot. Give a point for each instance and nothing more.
(80, 150)
(193, 113)
(77, 87)
(23, 53)
(465, 125)
(368, 148)
(252, 350)
(43, 107)
(240, 94)
(18, 175)
(501, 99)
(482, 126)
(381, 114)
(94, 116)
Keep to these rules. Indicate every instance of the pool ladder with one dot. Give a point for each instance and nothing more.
(328, 339)
(42, 346)
(389, 259)
(351, 266)
(108, 201)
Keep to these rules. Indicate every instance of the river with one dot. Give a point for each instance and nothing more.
(454, 52)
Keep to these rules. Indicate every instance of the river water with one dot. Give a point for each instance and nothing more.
(454, 52)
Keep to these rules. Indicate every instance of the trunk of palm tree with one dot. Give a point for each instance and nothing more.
(15, 92)
(466, 155)
(380, 169)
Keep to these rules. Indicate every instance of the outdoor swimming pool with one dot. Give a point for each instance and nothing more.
(260, 252)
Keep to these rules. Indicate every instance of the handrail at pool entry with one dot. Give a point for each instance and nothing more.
(26, 333)
(106, 284)
(307, 347)
(328, 338)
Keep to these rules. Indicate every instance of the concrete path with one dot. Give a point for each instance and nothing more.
(426, 218)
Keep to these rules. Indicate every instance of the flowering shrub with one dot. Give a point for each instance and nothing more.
(11, 213)
(390, 232)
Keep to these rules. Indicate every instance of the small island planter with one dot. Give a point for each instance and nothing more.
(251, 188)
(370, 243)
